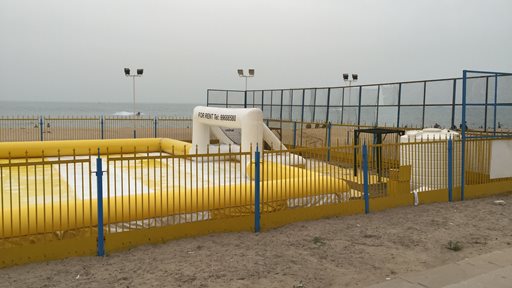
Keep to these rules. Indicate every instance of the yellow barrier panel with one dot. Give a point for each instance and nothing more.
(74, 214)
(212, 184)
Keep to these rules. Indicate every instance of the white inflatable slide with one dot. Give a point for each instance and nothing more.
(236, 129)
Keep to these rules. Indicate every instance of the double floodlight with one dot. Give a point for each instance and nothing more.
(241, 73)
(127, 72)
(346, 77)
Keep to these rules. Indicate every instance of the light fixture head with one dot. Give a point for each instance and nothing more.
(127, 71)
(354, 77)
(140, 71)
(240, 72)
(251, 72)
(345, 76)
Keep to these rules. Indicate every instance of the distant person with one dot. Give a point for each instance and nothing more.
(138, 113)
(437, 125)
(499, 125)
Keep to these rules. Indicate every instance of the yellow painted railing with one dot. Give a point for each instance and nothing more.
(155, 190)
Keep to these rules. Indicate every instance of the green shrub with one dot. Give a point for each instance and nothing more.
(454, 246)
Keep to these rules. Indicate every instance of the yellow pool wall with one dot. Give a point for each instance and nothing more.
(60, 213)
(35, 149)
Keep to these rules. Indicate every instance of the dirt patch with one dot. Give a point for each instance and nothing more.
(340, 252)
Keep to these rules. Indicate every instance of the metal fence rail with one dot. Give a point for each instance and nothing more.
(147, 190)
(80, 128)
(156, 194)
(20, 129)
(45, 195)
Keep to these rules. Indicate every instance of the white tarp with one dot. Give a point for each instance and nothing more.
(501, 159)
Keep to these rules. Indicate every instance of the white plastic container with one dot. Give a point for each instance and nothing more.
(428, 157)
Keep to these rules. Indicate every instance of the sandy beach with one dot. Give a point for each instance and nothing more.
(350, 251)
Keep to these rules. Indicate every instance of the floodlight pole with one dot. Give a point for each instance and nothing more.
(127, 74)
(350, 89)
(134, 122)
(133, 77)
(350, 96)
(241, 73)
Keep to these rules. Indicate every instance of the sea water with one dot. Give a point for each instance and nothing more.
(12, 108)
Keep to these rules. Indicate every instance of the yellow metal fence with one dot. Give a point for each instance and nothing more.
(49, 206)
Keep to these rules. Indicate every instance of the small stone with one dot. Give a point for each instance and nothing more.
(500, 202)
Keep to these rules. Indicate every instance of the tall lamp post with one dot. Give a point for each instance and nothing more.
(250, 75)
(139, 74)
(349, 80)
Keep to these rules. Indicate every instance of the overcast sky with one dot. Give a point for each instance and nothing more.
(64, 50)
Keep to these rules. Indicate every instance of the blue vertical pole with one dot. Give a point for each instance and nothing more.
(328, 105)
(102, 127)
(450, 170)
(399, 104)
(155, 126)
(365, 180)
(454, 100)
(329, 141)
(495, 101)
(463, 142)
(294, 134)
(302, 109)
(41, 128)
(359, 107)
(257, 190)
(99, 181)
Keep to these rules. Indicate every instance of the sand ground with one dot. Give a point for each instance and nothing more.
(350, 251)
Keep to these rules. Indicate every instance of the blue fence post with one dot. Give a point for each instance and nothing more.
(365, 180)
(329, 141)
(257, 190)
(99, 181)
(41, 128)
(495, 101)
(102, 127)
(450, 170)
(294, 134)
(155, 125)
(463, 132)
